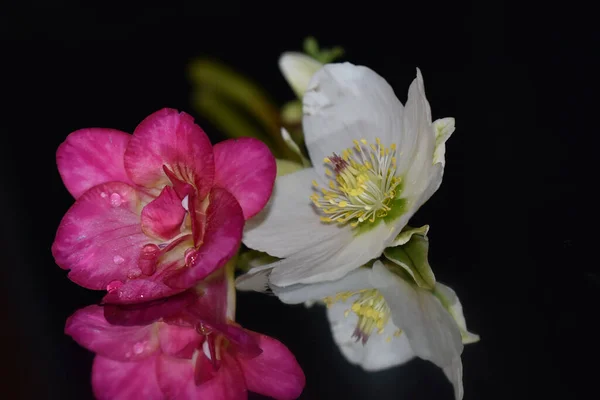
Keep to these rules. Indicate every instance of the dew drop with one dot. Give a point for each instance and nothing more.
(114, 285)
(103, 195)
(115, 200)
(134, 273)
(128, 354)
(191, 255)
(118, 259)
(138, 348)
(147, 260)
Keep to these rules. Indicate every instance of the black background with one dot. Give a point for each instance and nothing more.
(509, 223)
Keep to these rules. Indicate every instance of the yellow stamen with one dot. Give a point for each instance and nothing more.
(363, 184)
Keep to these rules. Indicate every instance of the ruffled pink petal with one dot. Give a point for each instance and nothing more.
(169, 138)
(125, 380)
(274, 373)
(90, 329)
(89, 157)
(179, 341)
(177, 381)
(247, 169)
(100, 237)
(163, 216)
(222, 235)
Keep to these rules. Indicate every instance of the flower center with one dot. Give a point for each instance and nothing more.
(371, 309)
(362, 184)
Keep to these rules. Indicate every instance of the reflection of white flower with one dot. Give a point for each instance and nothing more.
(380, 320)
(373, 167)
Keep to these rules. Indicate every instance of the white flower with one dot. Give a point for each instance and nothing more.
(375, 163)
(380, 320)
(298, 68)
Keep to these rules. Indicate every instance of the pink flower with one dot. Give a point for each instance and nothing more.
(158, 210)
(183, 347)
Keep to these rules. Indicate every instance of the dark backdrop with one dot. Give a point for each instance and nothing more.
(508, 223)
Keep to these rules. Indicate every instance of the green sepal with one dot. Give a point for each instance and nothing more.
(412, 256)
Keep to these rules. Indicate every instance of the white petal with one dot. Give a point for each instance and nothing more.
(298, 69)
(345, 102)
(332, 258)
(300, 293)
(417, 124)
(431, 330)
(443, 128)
(450, 300)
(289, 222)
(454, 373)
(257, 280)
(381, 350)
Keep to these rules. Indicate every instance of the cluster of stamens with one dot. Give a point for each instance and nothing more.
(371, 309)
(362, 184)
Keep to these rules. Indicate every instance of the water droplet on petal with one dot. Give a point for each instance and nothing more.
(191, 255)
(147, 260)
(134, 273)
(128, 354)
(115, 200)
(103, 195)
(114, 285)
(118, 259)
(138, 348)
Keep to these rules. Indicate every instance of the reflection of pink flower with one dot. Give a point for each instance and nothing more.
(157, 210)
(182, 347)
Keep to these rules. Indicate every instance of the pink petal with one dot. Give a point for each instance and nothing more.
(125, 380)
(169, 138)
(150, 311)
(176, 379)
(100, 237)
(222, 236)
(89, 328)
(274, 373)
(163, 216)
(89, 157)
(178, 341)
(211, 303)
(247, 169)
(137, 290)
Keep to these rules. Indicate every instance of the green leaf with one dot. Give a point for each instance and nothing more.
(228, 119)
(285, 167)
(291, 112)
(407, 233)
(249, 259)
(219, 78)
(412, 256)
(311, 46)
(330, 55)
